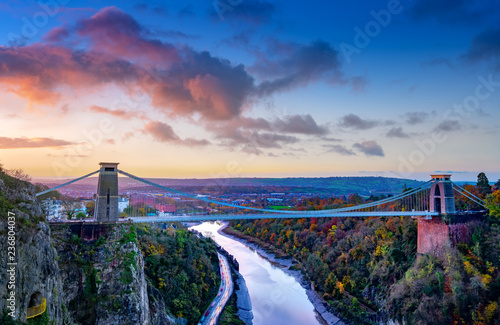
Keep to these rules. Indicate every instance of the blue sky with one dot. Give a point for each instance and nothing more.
(186, 89)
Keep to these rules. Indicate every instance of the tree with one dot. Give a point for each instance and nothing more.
(493, 203)
(80, 215)
(19, 174)
(497, 185)
(70, 214)
(90, 208)
(70, 208)
(483, 185)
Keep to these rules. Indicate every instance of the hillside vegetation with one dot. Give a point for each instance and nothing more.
(183, 267)
(368, 269)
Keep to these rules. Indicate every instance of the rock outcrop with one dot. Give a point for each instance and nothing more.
(98, 282)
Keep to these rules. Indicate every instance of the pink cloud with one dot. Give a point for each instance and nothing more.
(19, 143)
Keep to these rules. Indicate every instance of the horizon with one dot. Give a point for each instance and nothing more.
(68, 178)
(258, 88)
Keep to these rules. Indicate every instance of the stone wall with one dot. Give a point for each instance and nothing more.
(438, 233)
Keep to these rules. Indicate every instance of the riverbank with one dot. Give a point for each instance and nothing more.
(243, 301)
(240, 294)
(277, 256)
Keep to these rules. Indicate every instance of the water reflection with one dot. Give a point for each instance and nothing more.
(277, 298)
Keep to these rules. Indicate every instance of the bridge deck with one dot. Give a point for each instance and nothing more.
(214, 217)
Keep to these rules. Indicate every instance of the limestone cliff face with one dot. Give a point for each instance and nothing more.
(104, 281)
(130, 296)
(37, 270)
(37, 273)
(98, 282)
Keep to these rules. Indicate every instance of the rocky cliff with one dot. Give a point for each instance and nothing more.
(103, 281)
(34, 264)
(96, 282)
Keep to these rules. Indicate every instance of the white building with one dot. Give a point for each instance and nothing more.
(53, 209)
(123, 203)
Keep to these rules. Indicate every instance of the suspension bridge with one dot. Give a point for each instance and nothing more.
(432, 203)
(429, 199)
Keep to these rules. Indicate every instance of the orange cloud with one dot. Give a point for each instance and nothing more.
(120, 113)
(18, 143)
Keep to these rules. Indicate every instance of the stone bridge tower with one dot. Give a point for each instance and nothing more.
(441, 196)
(106, 205)
(437, 233)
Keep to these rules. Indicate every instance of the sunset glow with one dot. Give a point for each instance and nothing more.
(257, 89)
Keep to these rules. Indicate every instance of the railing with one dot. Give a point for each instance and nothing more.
(37, 310)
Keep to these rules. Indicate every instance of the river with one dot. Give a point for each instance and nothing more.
(277, 298)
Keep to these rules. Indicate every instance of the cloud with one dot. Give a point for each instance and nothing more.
(340, 149)
(397, 133)
(301, 124)
(251, 141)
(57, 34)
(127, 136)
(292, 124)
(118, 33)
(288, 65)
(253, 134)
(163, 132)
(191, 142)
(181, 81)
(120, 113)
(369, 148)
(448, 126)
(352, 121)
(331, 139)
(112, 48)
(413, 118)
(36, 72)
(484, 46)
(174, 34)
(19, 143)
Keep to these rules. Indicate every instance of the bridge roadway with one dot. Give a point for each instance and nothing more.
(305, 214)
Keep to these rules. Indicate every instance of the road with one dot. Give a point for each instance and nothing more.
(211, 315)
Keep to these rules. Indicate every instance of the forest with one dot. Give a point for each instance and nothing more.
(183, 267)
(368, 269)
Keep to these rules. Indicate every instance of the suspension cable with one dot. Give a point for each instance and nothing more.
(319, 212)
(67, 183)
(481, 202)
(464, 190)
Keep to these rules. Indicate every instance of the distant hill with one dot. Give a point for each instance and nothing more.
(338, 185)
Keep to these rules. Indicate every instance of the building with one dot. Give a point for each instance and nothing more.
(123, 203)
(165, 209)
(52, 208)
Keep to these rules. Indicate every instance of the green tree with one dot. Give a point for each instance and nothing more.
(80, 215)
(90, 208)
(40, 187)
(497, 185)
(493, 203)
(483, 185)
(70, 214)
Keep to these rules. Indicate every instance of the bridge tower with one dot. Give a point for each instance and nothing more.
(106, 206)
(441, 196)
(437, 233)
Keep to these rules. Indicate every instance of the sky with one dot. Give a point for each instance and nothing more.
(251, 88)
